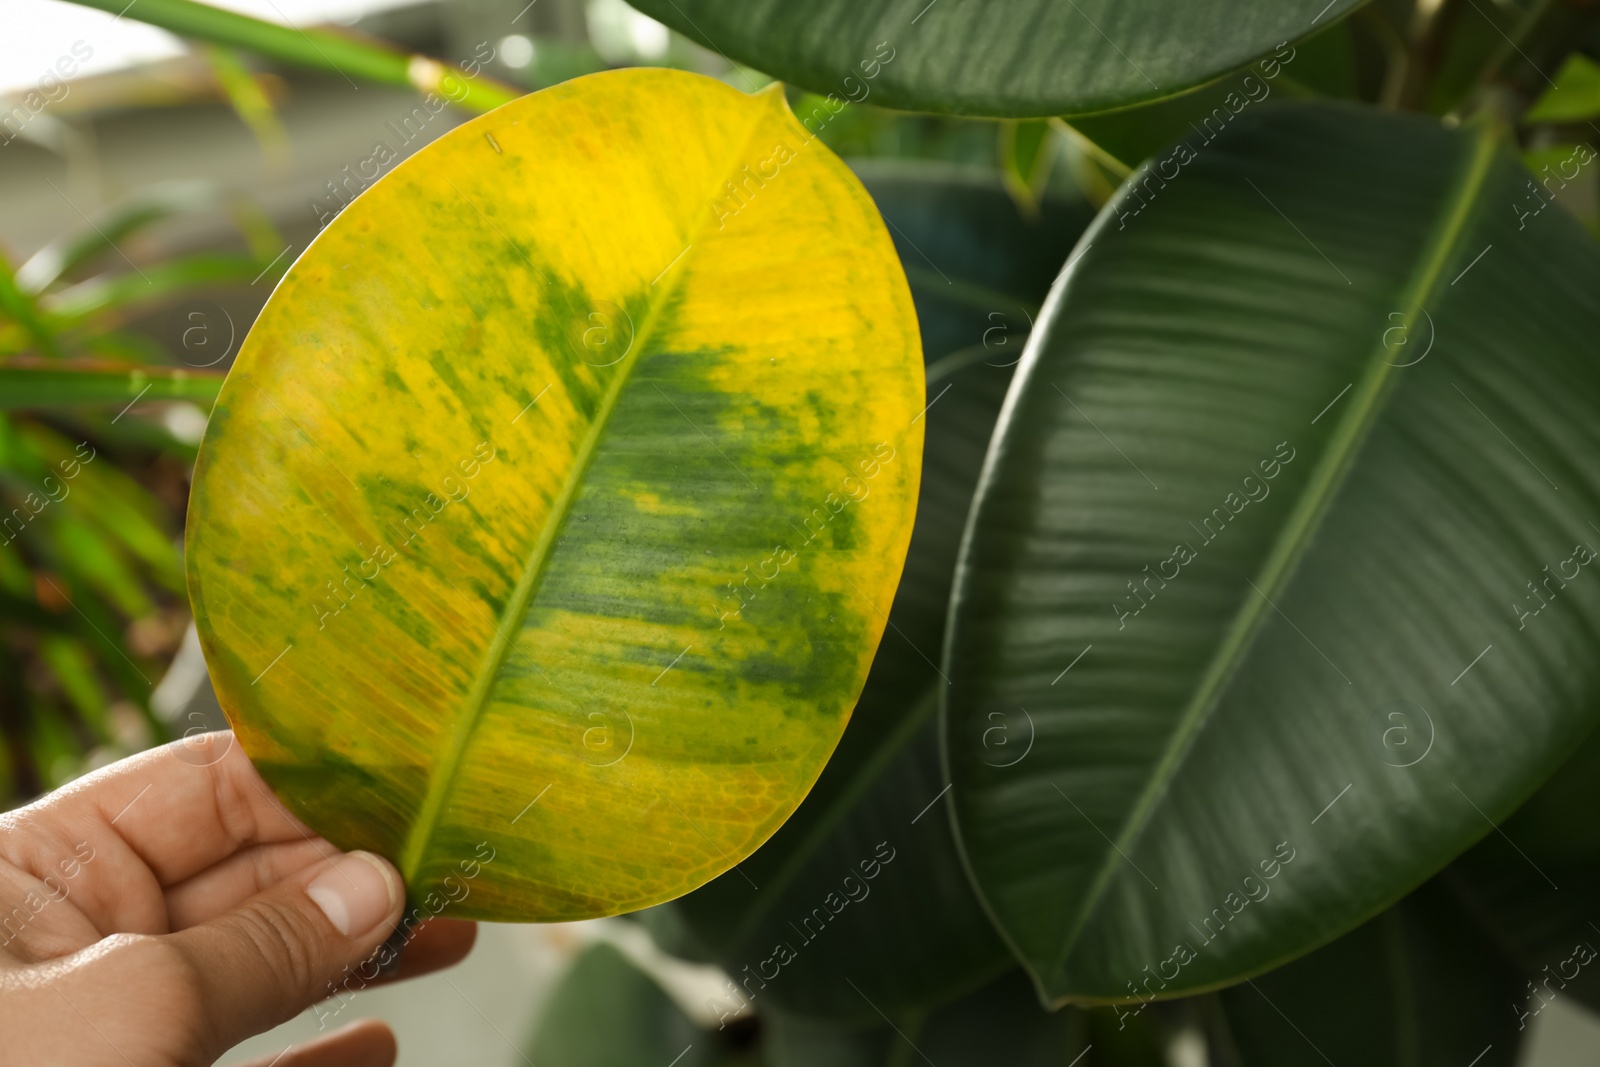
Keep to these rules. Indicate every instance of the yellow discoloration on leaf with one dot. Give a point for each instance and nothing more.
(652, 503)
(550, 507)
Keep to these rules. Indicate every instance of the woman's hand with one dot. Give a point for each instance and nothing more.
(159, 911)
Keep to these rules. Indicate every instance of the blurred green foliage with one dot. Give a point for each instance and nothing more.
(98, 427)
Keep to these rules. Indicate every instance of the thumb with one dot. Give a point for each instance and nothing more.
(284, 949)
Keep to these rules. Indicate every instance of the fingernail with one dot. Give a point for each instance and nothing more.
(355, 892)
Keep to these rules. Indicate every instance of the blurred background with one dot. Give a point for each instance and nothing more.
(153, 190)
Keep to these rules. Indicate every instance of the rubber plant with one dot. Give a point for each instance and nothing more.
(1266, 600)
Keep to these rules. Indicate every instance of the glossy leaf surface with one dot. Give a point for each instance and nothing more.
(1254, 548)
(1418, 986)
(978, 269)
(1324, 63)
(607, 1012)
(998, 1023)
(1004, 57)
(864, 943)
(546, 511)
(1534, 883)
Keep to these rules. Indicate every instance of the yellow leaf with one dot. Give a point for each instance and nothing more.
(543, 531)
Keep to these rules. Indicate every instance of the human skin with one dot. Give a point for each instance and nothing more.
(159, 911)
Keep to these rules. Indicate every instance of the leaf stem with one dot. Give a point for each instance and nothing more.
(1431, 25)
(1515, 39)
(1120, 170)
(322, 49)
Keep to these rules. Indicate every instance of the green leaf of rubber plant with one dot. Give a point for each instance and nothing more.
(607, 1012)
(1297, 433)
(1534, 884)
(999, 1023)
(1324, 63)
(1012, 58)
(50, 384)
(547, 511)
(1418, 986)
(978, 269)
(880, 786)
(347, 56)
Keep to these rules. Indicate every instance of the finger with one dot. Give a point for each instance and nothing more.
(434, 945)
(365, 1043)
(179, 808)
(236, 879)
(292, 945)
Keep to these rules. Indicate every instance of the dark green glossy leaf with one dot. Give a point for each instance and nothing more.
(1001, 1023)
(850, 886)
(1418, 986)
(1004, 57)
(978, 269)
(1325, 63)
(1296, 432)
(1534, 884)
(608, 1013)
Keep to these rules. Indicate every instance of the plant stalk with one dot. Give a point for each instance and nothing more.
(321, 49)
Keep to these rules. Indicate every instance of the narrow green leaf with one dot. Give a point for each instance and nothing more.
(66, 254)
(1575, 96)
(73, 670)
(25, 611)
(92, 621)
(18, 306)
(249, 101)
(127, 293)
(1027, 151)
(50, 385)
(323, 49)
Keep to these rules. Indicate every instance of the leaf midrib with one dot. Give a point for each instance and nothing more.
(1310, 507)
(512, 616)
